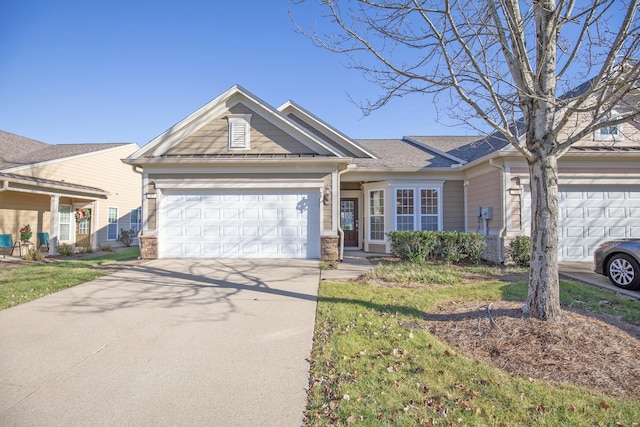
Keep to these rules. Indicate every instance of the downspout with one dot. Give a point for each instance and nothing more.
(340, 230)
(5, 186)
(503, 201)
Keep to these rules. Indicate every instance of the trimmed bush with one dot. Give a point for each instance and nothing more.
(519, 250)
(447, 246)
(64, 249)
(86, 248)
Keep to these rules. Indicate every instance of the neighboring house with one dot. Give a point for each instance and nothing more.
(81, 194)
(239, 178)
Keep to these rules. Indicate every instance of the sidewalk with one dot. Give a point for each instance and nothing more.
(582, 272)
(354, 265)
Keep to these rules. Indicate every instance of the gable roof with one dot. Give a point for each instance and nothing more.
(401, 155)
(323, 130)
(18, 151)
(159, 146)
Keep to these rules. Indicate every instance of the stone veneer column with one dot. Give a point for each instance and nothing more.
(329, 248)
(149, 247)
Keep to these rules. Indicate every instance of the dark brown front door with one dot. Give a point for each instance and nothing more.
(349, 221)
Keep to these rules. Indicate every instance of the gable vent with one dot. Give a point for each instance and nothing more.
(239, 131)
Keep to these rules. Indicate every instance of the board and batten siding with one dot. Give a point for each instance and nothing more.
(453, 206)
(265, 138)
(104, 170)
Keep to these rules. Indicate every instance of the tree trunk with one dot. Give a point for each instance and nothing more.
(543, 300)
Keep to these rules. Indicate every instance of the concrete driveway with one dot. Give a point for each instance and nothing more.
(168, 342)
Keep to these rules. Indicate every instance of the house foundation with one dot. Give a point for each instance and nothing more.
(329, 248)
(148, 247)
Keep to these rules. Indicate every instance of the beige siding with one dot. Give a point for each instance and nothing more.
(103, 170)
(330, 141)
(453, 206)
(213, 138)
(484, 190)
(327, 209)
(18, 209)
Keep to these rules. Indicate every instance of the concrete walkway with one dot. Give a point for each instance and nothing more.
(169, 342)
(354, 265)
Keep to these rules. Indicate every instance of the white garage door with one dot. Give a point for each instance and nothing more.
(240, 224)
(591, 216)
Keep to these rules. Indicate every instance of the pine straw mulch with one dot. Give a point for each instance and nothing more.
(593, 351)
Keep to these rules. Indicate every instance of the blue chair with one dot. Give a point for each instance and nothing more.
(43, 239)
(6, 242)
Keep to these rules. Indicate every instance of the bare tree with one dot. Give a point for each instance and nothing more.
(512, 63)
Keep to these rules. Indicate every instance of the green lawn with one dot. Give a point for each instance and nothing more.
(28, 282)
(372, 363)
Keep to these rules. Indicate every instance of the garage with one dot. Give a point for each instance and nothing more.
(590, 216)
(282, 223)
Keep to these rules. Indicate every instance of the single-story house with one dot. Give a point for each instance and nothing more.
(240, 178)
(80, 194)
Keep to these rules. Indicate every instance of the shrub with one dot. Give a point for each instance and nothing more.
(126, 237)
(86, 248)
(33, 254)
(473, 245)
(448, 246)
(64, 249)
(105, 247)
(415, 246)
(520, 250)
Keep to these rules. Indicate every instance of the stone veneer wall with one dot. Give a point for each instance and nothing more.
(148, 247)
(492, 252)
(329, 248)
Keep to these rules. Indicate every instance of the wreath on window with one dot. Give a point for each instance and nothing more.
(83, 214)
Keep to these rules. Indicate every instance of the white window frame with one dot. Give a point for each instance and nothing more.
(239, 131)
(110, 223)
(610, 133)
(408, 217)
(136, 226)
(437, 215)
(417, 205)
(70, 223)
(371, 215)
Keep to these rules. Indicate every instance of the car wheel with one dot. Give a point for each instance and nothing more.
(624, 271)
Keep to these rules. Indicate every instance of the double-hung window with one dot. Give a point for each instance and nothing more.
(429, 209)
(405, 209)
(112, 223)
(376, 215)
(64, 216)
(135, 220)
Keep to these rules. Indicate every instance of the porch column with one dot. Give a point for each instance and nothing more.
(95, 220)
(54, 225)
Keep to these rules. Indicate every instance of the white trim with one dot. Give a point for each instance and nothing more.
(237, 184)
(215, 108)
(305, 114)
(117, 223)
(71, 237)
(368, 215)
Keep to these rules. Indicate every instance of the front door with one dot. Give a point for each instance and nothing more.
(349, 221)
(83, 228)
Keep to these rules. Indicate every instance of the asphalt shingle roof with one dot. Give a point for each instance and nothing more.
(400, 154)
(17, 150)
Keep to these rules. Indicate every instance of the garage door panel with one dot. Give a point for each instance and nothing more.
(589, 217)
(241, 225)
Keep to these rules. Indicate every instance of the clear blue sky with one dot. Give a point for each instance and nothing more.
(83, 71)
